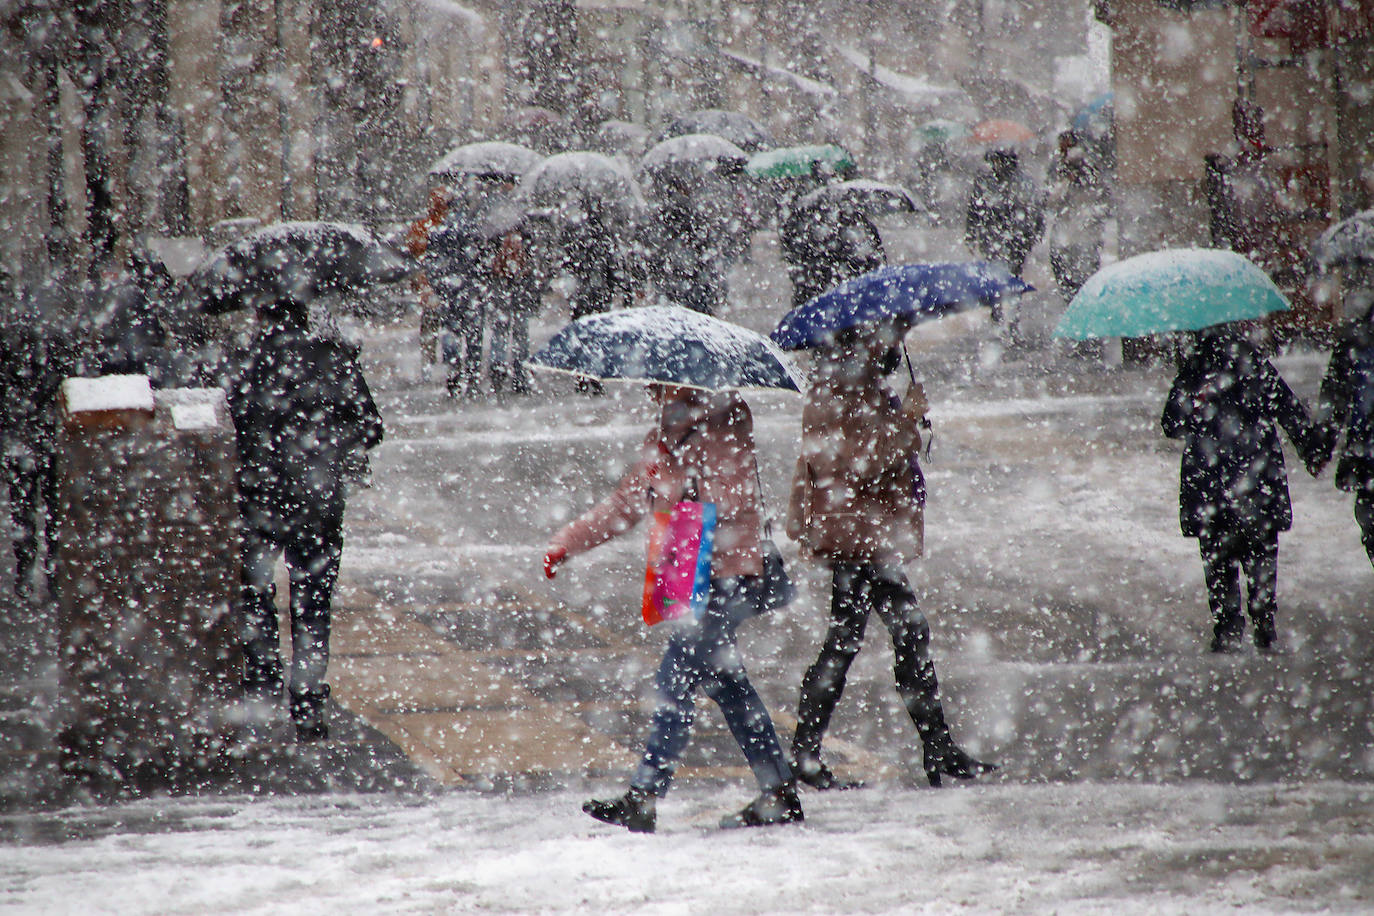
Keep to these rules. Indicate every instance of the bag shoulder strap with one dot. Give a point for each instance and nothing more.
(767, 513)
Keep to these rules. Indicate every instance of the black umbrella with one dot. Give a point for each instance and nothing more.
(694, 154)
(491, 157)
(667, 344)
(737, 127)
(1349, 242)
(297, 260)
(873, 198)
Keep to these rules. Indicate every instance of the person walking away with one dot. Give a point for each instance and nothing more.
(1079, 204)
(457, 263)
(855, 507)
(1005, 216)
(299, 408)
(703, 443)
(595, 254)
(606, 272)
(688, 267)
(38, 350)
(515, 301)
(826, 245)
(1227, 403)
(417, 244)
(1346, 408)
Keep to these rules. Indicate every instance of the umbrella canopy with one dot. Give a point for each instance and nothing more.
(1351, 241)
(1000, 131)
(1177, 289)
(568, 187)
(693, 154)
(874, 198)
(668, 344)
(904, 293)
(941, 130)
(735, 126)
(624, 137)
(297, 260)
(492, 157)
(799, 161)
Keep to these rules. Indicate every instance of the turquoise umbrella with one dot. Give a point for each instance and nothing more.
(798, 161)
(1177, 289)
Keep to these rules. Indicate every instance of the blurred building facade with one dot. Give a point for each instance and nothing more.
(1273, 91)
(123, 118)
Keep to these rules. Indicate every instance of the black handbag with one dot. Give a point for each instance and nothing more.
(775, 588)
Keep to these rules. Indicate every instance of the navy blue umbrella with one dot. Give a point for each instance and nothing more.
(669, 344)
(906, 292)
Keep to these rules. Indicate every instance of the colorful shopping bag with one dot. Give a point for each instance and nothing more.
(677, 575)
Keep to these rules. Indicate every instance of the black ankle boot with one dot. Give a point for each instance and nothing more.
(814, 773)
(634, 810)
(776, 806)
(942, 757)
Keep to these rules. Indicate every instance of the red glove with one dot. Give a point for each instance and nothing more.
(552, 558)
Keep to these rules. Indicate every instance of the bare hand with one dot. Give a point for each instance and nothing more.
(914, 405)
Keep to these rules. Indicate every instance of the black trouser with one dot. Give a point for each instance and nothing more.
(857, 589)
(312, 550)
(1225, 556)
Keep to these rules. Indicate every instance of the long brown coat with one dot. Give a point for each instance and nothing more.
(852, 497)
(718, 455)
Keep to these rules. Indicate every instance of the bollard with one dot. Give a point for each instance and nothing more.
(147, 575)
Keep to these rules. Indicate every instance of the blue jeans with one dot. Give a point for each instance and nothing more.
(702, 654)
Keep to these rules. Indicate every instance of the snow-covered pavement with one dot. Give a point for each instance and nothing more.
(1138, 773)
(1115, 849)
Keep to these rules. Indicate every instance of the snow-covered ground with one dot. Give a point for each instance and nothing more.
(1088, 848)
(1139, 774)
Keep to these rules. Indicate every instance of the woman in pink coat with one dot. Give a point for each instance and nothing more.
(703, 445)
(855, 507)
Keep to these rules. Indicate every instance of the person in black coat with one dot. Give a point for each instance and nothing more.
(1005, 215)
(1226, 404)
(39, 348)
(458, 264)
(825, 245)
(300, 407)
(1347, 408)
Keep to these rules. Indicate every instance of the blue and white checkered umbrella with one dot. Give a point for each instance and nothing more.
(667, 344)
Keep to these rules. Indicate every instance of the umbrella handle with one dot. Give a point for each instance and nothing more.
(925, 421)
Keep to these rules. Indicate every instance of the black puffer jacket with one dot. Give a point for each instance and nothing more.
(300, 406)
(1227, 403)
(1347, 405)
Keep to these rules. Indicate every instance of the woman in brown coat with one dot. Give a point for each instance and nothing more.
(855, 507)
(703, 445)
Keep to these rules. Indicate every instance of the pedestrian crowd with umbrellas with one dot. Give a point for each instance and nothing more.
(647, 241)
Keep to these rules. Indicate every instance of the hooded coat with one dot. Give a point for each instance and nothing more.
(1227, 404)
(852, 493)
(709, 443)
